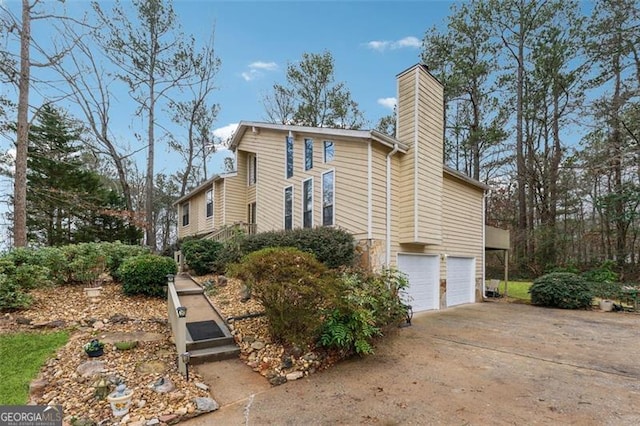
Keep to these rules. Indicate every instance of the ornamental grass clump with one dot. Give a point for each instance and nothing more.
(563, 290)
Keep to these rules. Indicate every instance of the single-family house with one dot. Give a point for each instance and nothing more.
(403, 206)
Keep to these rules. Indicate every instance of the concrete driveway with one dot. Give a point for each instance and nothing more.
(486, 363)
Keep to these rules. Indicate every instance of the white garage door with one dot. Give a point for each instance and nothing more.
(424, 276)
(460, 280)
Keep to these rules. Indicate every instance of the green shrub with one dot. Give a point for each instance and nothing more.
(561, 290)
(146, 274)
(294, 289)
(24, 275)
(201, 256)
(332, 246)
(603, 273)
(117, 252)
(54, 258)
(12, 297)
(367, 303)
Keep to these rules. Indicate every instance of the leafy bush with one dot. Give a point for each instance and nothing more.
(603, 273)
(12, 297)
(201, 256)
(367, 303)
(117, 252)
(294, 289)
(23, 275)
(561, 290)
(332, 246)
(146, 274)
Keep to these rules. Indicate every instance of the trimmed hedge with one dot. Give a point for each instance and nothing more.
(202, 256)
(146, 274)
(332, 246)
(561, 290)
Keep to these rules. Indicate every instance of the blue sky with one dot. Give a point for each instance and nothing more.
(371, 42)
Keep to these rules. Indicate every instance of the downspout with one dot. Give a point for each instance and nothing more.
(484, 243)
(388, 248)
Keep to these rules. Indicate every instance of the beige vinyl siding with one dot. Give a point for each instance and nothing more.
(350, 164)
(235, 192)
(420, 127)
(218, 203)
(269, 147)
(379, 190)
(462, 221)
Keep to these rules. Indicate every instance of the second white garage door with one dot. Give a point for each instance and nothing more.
(424, 277)
(460, 280)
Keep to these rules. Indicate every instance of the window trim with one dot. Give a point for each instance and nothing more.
(185, 216)
(304, 202)
(284, 207)
(333, 198)
(324, 151)
(208, 202)
(306, 155)
(288, 160)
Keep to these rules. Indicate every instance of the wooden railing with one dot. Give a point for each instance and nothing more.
(228, 231)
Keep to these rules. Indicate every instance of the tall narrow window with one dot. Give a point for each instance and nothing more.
(289, 151)
(251, 213)
(308, 154)
(307, 203)
(328, 198)
(185, 214)
(210, 203)
(328, 151)
(253, 169)
(288, 208)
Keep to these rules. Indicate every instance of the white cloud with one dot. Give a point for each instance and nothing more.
(257, 70)
(388, 102)
(223, 134)
(267, 66)
(407, 42)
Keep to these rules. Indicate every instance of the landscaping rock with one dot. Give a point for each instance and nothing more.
(36, 388)
(278, 380)
(163, 385)
(202, 386)
(119, 319)
(295, 375)
(23, 321)
(205, 405)
(90, 368)
(151, 367)
(257, 345)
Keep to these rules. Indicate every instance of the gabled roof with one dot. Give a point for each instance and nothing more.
(374, 135)
(204, 185)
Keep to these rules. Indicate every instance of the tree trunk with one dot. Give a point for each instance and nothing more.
(22, 142)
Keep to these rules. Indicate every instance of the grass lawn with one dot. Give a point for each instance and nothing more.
(22, 355)
(517, 289)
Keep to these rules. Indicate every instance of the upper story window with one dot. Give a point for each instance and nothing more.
(328, 198)
(308, 154)
(210, 203)
(185, 214)
(252, 167)
(289, 153)
(288, 208)
(328, 151)
(307, 203)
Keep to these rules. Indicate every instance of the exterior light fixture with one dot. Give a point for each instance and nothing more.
(182, 311)
(171, 278)
(186, 358)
